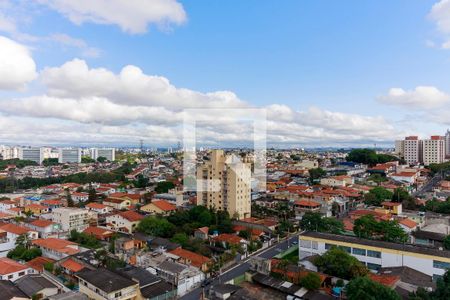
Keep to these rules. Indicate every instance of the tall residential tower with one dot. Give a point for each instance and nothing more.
(224, 183)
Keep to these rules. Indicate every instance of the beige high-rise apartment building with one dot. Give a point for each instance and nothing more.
(433, 150)
(224, 183)
(412, 149)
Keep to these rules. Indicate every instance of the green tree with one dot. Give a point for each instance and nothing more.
(378, 178)
(369, 228)
(364, 288)
(311, 281)
(50, 162)
(369, 157)
(164, 187)
(180, 238)
(87, 160)
(447, 242)
(92, 194)
(442, 290)
(101, 159)
(377, 195)
(312, 221)
(69, 199)
(245, 234)
(401, 195)
(23, 240)
(156, 226)
(22, 253)
(337, 262)
(315, 174)
(141, 181)
(48, 266)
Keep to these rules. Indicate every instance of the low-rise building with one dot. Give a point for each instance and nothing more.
(103, 284)
(117, 203)
(191, 258)
(45, 228)
(71, 218)
(161, 207)
(99, 208)
(125, 221)
(182, 276)
(12, 270)
(56, 248)
(99, 233)
(37, 286)
(377, 254)
(9, 233)
(337, 181)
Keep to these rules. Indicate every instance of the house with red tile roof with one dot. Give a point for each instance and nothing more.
(6, 205)
(36, 209)
(56, 248)
(226, 239)
(99, 233)
(394, 208)
(386, 280)
(52, 203)
(99, 208)
(191, 258)
(307, 205)
(45, 228)
(356, 214)
(38, 263)
(160, 207)
(79, 197)
(12, 270)
(8, 235)
(71, 266)
(124, 221)
(117, 203)
(407, 225)
(202, 233)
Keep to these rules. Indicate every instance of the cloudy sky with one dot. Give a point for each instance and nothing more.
(327, 73)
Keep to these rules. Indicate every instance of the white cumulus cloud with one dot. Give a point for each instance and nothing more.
(440, 14)
(131, 87)
(424, 97)
(17, 67)
(132, 16)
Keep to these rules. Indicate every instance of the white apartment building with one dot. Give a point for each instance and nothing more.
(108, 153)
(224, 183)
(7, 152)
(33, 154)
(69, 155)
(412, 150)
(378, 254)
(71, 218)
(433, 150)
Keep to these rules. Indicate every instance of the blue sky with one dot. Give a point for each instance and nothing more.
(335, 61)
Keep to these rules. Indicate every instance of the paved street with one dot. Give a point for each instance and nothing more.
(241, 268)
(428, 187)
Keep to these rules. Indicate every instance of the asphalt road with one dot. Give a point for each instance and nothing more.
(241, 268)
(428, 187)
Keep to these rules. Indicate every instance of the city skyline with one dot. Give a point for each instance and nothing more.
(73, 73)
